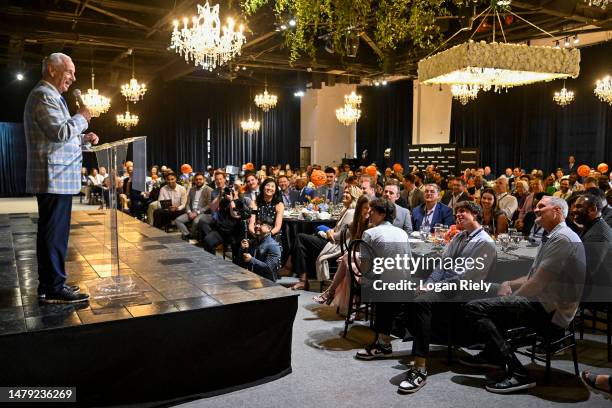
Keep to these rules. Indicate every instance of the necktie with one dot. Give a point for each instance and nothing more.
(545, 237)
(329, 194)
(427, 221)
(64, 102)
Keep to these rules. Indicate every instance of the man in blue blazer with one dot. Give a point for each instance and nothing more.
(289, 195)
(305, 194)
(54, 140)
(432, 212)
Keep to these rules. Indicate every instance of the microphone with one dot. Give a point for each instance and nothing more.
(77, 95)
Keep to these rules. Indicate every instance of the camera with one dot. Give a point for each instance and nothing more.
(242, 209)
(227, 191)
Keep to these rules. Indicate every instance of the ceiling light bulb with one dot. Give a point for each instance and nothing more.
(384, 82)
(566, 43)
(292, 23)
(576, 39)
(20, 76)
(557, 44)
(283, 27)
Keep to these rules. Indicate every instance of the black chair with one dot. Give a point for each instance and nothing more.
(355, 286)
(333, 262)
(549, 340)
(594, 317)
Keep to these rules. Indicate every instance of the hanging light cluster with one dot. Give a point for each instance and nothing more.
(563, 97)
(133, 92)
(603, 89)
(266, 101)
(250, 126)
(95, 102)
(350, 113)
(464, 93)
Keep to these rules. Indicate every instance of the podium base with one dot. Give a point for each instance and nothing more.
(116, 291)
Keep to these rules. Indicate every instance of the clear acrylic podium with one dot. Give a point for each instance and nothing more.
(115, 287)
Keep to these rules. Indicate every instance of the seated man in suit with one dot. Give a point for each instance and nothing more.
(305, 194)
(289, 195)
(263, 255)
(411, 193)
(456, 193)
(198, 202)
(402, 215)
(432, 212)
(330, 191)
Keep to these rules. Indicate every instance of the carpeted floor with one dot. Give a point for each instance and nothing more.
(325, 374)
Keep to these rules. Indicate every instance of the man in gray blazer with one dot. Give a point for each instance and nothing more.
(402, 215)
(331, 190)
(198, 202)
(411, 193)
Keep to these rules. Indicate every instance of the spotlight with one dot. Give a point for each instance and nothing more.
(384, 82)
(576, 39)
(566, 43)
(292, 23)
(244, 68)
(20, 76)
(298, 94)
(376, 83)
(283, 27)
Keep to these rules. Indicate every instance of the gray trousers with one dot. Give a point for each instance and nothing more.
(182, 221)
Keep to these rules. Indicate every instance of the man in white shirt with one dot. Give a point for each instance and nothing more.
(178, 198)
(252, 186)
(564, 191)
(505, 201)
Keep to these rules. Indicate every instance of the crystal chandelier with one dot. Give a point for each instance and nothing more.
(127, 120)
(96, 103)
(352, 99)
(348, 114)
(598, 3)
(603, 89)
(250, 126)
(133, 91)
(563, 97)
(464, 93)
(266, 101)
(203, 43)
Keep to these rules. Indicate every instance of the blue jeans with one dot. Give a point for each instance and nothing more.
(54, 212)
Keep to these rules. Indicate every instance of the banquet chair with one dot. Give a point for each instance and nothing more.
(354, 301)
(550, 341)
(595, 318)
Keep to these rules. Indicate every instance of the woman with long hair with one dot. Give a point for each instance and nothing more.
(339, 290)
(494, 221)
(269, 204)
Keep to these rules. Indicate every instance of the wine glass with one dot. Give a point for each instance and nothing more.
(425, 232)
(504, 240)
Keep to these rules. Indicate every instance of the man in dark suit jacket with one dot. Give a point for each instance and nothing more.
(305, 194)
(455, 194)
(597, 238)
(432, 212)
(411, 194)
(289, 195)
(331, 190)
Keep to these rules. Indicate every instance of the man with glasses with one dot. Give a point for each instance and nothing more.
(432, 212)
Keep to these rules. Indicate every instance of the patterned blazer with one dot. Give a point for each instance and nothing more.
(53, 141)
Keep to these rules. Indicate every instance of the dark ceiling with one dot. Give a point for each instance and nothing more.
(102, 31)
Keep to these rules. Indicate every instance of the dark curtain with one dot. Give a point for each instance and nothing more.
(176, 117)
(386, 121)
(524, 127)
(12, 159)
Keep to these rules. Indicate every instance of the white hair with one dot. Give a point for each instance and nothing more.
(523, 183)
(559, 203)
(56, 59)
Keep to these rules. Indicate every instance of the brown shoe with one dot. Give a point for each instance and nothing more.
(301, 285)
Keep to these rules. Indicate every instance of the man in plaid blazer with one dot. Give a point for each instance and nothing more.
(54, 140)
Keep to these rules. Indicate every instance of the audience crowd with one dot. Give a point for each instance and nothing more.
(246, 214)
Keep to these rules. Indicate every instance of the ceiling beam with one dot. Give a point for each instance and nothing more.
(172, 15)
(111, 14)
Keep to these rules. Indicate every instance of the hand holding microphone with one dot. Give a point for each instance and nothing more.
(82, 107)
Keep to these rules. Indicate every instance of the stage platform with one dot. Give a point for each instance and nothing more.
(204, 325)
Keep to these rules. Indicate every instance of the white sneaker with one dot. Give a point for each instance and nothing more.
(193, 241)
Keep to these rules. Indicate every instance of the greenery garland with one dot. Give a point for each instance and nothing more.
(393, 22)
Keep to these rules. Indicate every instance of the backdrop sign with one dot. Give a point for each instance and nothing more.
(443, 156)
(468, 158)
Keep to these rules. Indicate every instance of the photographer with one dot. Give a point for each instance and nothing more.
(263, 254)
(228, 224)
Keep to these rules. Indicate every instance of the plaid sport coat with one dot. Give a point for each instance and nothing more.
(53, 141)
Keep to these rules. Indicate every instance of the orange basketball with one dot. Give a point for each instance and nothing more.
(371, 171)
(584, 170)
(397, 168)
(318, 178)
(185, 168)
(249, 166)
(602, 167)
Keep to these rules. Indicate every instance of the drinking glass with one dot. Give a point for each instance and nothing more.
(504, 240)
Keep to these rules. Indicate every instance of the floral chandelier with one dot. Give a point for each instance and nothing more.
(133, 91)
(603, 89)
(464, 93)
(266, 101)
(203, 43)
(598, 3)
(127, 120)
(563, 97)
(496, 65)
(95, 102)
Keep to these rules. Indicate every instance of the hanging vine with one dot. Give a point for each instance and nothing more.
(392, 22)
